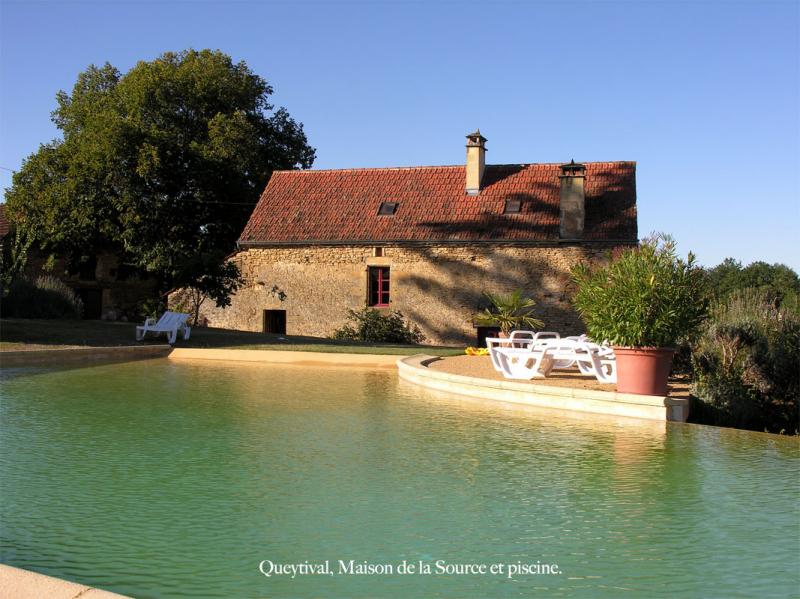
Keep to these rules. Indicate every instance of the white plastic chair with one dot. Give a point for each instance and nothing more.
(170, 323)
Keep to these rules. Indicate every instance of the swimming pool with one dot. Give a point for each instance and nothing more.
(176, 479)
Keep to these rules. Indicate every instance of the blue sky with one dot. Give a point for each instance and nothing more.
(703, 95)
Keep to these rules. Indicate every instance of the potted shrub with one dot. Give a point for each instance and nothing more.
(642, 302)
(509, 311)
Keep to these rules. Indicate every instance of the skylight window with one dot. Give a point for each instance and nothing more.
(513, 207)
(388, 208)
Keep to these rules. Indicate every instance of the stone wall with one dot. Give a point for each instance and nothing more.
(437, 287)
(120, 296)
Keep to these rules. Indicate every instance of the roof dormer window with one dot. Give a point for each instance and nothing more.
(388, 208)
(513, 207)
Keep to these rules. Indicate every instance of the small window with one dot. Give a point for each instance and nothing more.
(513, 207)
(387, 208)
(378, 295)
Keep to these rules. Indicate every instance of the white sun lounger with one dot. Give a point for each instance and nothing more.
(539, 357)
(592, 359)
(526, 363)
(170, 323)
(516, 340)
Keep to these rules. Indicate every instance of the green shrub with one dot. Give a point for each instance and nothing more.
(512, 311)
(645, 297)
(151, 308)
(747, 364)
(44, 297)
(372, 325)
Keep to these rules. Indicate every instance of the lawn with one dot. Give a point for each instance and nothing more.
(16, 334)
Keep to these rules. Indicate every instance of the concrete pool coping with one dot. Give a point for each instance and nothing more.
(301, 358)
(415, 370)
(24, 584)
(69, 355)
(72, 355)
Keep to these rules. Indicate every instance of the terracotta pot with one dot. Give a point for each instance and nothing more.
(643, 370)
(502, 335)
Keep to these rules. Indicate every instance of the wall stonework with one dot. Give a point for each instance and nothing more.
(120, 296)
(438, 287)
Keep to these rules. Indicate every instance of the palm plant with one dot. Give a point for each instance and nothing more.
(509, 311)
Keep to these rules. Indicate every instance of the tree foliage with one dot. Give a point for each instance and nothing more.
(214, 278)
(778, 281)
(13, 258)
(161, 164)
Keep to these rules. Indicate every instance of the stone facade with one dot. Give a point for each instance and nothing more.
(107, 290)
(437, 287)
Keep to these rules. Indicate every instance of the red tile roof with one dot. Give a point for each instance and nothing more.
(342, 205)
(5, 226)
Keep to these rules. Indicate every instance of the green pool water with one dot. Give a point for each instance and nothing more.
(176, 479)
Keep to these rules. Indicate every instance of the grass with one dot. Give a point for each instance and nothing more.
(23, 334)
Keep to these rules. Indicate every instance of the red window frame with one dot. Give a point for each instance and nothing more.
(378, 286)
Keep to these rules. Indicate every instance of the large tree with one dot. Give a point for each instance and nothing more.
(162, 164)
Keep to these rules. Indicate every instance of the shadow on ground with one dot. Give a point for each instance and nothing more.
(33, 334)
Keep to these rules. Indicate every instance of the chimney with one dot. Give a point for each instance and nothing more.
(476, 161)
(573, 200)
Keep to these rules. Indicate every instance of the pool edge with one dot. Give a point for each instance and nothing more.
(414, 369)
(286, 357)
(71, 355)
(25, 584)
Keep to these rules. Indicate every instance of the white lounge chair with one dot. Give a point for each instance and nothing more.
(516, 340)
(596, 360)
(169, 323)
(527, 363)
(592, 359)
(541, 357)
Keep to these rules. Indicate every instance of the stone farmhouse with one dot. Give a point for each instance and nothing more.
(427, 241)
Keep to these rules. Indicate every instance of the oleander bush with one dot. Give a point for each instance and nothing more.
(43, 297)
(373, 325)
(645, 297)
(747, 364)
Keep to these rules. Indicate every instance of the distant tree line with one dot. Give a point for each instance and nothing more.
(777, 281)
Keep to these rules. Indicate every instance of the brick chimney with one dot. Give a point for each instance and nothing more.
(476, 161)
(573, 200)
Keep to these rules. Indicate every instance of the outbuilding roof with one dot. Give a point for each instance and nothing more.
(342, 206)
